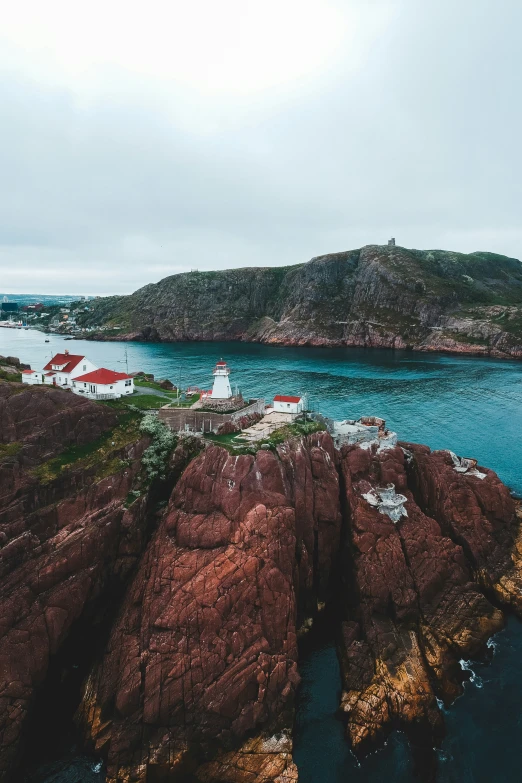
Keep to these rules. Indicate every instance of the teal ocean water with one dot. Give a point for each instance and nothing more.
(470, 405)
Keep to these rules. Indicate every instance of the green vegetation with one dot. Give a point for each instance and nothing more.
(102, 453)
(388, 287)
(153, 385)
(510, 322)
(142, 402)
(465, 339)
(10, 376)
(236, 446)
(156, 457)
(187, 402)
(9, 449)
(132, 496)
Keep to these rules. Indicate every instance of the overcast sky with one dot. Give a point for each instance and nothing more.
(142, 139)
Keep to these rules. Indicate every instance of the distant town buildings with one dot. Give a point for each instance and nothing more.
(391, 242)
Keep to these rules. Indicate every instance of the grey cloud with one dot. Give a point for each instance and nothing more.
(422, 142)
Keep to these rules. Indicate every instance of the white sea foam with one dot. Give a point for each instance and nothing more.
(492, 645)
(477, 681)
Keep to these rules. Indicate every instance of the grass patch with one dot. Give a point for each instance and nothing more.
(132, 496)
(465, 339)
(510, 323)
(100, 453)
(142, 401)
(222, 440)
(297, 429)
(152, 385)
(9, 449)
(5, 375)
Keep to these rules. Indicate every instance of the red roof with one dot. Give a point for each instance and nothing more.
(48, 374)
(70, 360)
(28, 372)
(284, 398)
(103, 376)
(221, 364)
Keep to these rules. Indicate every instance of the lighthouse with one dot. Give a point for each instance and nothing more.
(221, 389)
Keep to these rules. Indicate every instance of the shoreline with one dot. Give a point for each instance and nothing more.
(462, 350)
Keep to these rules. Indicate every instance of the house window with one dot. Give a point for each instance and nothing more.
(84, 367)
(128, 383)
(287, 404)
(85, 385)
(110, 387)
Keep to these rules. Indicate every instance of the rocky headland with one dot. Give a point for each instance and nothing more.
(201, 574)
(378, 296)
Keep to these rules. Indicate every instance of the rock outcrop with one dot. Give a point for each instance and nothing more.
(62, 544)
(70, 533)
(204, 654)
(412, 553)
(388, 297)
(414, 607)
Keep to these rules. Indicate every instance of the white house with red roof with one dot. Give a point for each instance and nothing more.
(103, 384)
(288, 404)
(64, 367)
(32, 377)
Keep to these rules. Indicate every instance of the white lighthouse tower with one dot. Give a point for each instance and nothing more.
(221, 389)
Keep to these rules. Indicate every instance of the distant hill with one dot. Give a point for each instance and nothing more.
(381, 296)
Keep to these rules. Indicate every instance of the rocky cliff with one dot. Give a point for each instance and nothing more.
(376, 297)
(211, 575)
(71, 532)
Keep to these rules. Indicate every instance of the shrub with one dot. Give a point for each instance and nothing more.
(156, 457)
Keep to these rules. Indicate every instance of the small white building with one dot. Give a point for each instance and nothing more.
(32, 377)
(288, 404)
(64, 367)
(221, 389)
(103, 384)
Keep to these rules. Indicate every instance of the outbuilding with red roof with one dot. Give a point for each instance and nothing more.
(284, 403)
(32, 377)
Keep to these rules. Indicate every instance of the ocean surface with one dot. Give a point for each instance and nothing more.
(45, 299)
(470, 405)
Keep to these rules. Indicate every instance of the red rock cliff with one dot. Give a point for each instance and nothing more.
(64, 542)
(204, 654)
(201, 667)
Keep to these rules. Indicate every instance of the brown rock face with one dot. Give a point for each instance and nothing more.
(62, 545)
(198, 677)
(414, 608)
(205, 650)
